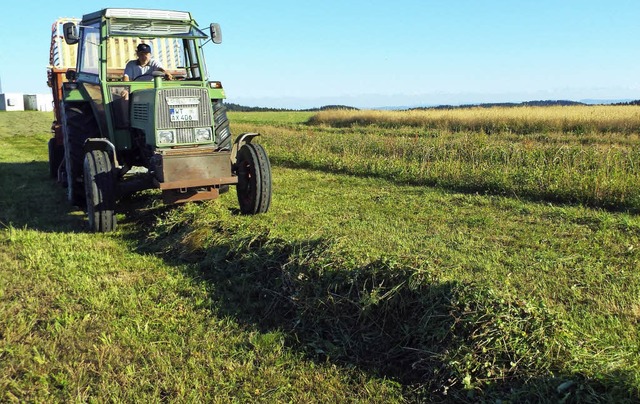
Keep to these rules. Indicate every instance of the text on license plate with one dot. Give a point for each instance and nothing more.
(183, 114)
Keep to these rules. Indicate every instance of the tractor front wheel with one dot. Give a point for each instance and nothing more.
(99, 186)
(254, 179)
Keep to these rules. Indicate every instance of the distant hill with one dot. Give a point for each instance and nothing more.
(607, 101)
(541, 103)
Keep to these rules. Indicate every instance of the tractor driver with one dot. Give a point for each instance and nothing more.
(142, 68)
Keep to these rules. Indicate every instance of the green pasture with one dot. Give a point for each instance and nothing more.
(395, 265)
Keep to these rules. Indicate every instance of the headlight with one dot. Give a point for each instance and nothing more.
(166, 136)
(203, 135)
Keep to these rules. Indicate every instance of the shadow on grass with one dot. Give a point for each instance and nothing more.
(30, 198)
(443, 341)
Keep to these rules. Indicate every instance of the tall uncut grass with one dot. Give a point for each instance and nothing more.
(522, 120)
(586, 155)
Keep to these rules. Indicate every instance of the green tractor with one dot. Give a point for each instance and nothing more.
(117, 135)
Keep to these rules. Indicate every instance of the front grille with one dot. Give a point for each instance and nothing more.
(204, 108)
(185, 135)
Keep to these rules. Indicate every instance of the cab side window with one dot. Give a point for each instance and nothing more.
(90, 50)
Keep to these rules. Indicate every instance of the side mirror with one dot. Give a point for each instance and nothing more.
(216, 33)
(70, 75)
(70, 30)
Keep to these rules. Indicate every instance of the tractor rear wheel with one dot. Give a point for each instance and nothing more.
(254, 179)
(56, 154)
(99, 185)
(221, 122)
(79, 125)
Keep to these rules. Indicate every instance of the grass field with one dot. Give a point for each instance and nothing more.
(398, 263)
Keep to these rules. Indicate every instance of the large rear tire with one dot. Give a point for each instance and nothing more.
(254, 179)
(99, 185)
(79, 124)
(56, 154)
(221, 122)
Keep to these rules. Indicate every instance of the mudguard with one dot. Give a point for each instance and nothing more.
(239, 142)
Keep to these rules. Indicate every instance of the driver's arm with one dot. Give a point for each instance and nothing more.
(169, 75)
(127, 72)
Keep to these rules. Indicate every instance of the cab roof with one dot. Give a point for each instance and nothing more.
(138, 13)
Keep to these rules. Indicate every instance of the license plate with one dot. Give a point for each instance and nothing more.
(183, 114)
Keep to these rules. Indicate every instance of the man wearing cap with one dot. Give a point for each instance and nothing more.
(141, 68)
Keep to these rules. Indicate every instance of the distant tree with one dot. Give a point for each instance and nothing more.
(634, 102)
(329, 107)
(242, 108)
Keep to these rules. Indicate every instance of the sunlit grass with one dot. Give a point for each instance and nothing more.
(273, 118)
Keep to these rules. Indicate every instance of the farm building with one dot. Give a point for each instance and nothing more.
(11, 102)
(38, 102)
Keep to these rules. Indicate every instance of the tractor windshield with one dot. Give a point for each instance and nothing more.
(173, 44)
(178, 56)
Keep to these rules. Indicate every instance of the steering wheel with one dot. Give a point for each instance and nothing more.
(155, 73)
(142, 75)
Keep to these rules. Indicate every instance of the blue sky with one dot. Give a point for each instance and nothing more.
(301, 54)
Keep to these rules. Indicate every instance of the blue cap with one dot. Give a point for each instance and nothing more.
(143, 47)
